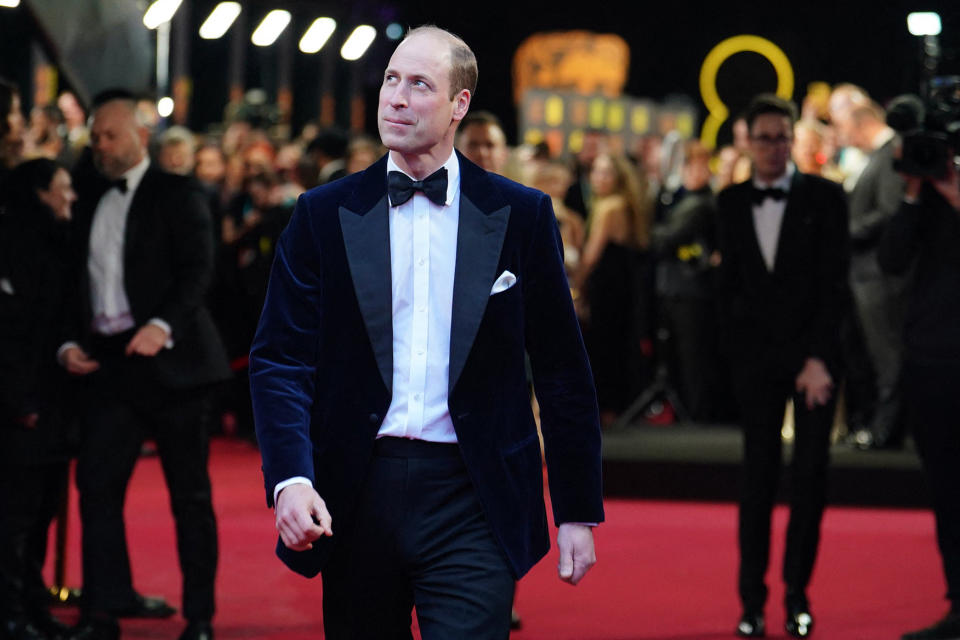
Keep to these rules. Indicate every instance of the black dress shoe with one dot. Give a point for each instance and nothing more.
(799, 621)
(98, 628)
(861, 438)
(20, 629)
(946, 629)
(145, 607)
(751, 625)
(198, 631)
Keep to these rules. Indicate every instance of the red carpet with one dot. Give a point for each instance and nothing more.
(666, 571)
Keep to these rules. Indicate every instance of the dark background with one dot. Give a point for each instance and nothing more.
(842, 41)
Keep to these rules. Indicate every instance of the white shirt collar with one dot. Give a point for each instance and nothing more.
(134, 174)
(882, 138)
(453, 174)
(783, 182)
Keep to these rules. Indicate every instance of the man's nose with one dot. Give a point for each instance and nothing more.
(398, 96)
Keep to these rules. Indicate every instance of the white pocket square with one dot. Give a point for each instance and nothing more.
(504, 282)
(7, 287)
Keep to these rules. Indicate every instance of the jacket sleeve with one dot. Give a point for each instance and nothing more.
(191, 242)
(867, 227)
(833, 263)
(285, 352)
(562, 379)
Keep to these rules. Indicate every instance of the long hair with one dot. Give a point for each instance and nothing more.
(20, 194)
(628, 186)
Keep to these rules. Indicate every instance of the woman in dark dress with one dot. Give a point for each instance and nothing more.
(34, 440)
(613, 281)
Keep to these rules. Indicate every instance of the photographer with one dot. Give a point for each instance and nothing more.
(925, 233)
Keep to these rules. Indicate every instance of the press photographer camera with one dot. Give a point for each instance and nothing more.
(930, 130)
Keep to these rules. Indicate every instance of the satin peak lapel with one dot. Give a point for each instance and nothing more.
(366, 237)
(479, 242)
(793, 220)
(140, 204)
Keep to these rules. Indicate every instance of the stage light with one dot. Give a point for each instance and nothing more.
(358, 42)
(270, 29)
(394, 31)
(165, 106)
(10, 4)
(219, 20)
(924, 23)
(317, 35)
(159, 12)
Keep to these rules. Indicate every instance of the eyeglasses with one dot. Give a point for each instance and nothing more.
(770, 141)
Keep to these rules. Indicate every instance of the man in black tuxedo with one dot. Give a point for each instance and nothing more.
(783, 241)
(145, 258)
(389, 384)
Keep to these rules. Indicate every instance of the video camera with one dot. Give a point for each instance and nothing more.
(930, 130)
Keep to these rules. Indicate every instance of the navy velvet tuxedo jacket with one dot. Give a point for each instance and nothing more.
(321, 365)
(773, 321)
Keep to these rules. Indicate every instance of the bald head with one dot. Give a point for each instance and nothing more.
(117, 138)
(844, 99)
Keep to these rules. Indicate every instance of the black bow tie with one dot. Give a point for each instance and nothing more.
(759, 195)
(400, 187)
(120, 184)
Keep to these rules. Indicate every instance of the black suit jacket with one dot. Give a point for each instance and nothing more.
(321, 366)
(773, 321)
(168, 265)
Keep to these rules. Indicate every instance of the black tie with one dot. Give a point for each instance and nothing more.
(120, 184)
(400, 187)
(759, 195)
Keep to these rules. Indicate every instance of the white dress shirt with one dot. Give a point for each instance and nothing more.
(423, 256)
(883, 136)
(768, 217)
(108, 298)
(423, 252)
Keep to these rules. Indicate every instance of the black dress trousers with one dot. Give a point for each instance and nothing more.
(420, 540)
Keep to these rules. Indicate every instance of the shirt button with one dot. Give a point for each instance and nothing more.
(416, 397)
(421, 262)
(420, 352)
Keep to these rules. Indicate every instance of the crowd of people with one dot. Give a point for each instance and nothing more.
(812, 308)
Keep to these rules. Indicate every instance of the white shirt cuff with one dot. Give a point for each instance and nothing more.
(66, 345)
(286, 483)
(157, 322)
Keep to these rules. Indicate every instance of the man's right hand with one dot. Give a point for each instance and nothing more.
(77, 362)
(302, 517)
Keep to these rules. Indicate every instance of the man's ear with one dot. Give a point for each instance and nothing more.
(461, 104)
(144, 134)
